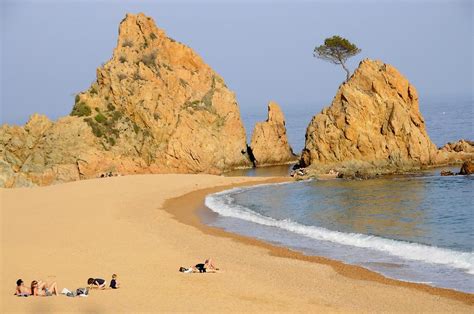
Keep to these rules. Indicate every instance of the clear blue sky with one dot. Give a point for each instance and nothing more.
(51, 49)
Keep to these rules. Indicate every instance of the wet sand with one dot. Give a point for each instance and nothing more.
(188, 208)
(145, 227)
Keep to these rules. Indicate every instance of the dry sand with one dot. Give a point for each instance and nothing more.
(122, 225)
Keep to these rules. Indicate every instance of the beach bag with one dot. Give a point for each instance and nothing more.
(71, 294)
(82, 291)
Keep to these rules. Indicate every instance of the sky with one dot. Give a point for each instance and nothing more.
(263, 49)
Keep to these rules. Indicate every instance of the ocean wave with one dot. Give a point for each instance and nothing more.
(223, 204)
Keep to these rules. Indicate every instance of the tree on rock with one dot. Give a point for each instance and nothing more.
(336, 50)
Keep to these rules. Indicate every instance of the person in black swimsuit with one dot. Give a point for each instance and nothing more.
(207, 265)
(201, 267)
(114, 283)
(98, 283)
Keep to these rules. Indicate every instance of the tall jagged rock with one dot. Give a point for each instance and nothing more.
(269, 144)
(156, 107)
(373, 123)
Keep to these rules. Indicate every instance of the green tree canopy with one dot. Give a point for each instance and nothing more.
(336, 50)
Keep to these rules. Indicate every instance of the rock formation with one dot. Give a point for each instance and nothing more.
(155, 107)
(465, 146)
(373, 124)
(446, 173)
(467, 168)
(269, 144)
(455, 153)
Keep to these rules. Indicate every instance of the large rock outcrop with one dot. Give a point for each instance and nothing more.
(461, 146)
(269, 144)
(455, 153)
(156, 107)
(373, 124)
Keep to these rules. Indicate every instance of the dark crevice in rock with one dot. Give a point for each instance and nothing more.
(251, 156)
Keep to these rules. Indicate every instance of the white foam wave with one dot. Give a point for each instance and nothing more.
(222, 203)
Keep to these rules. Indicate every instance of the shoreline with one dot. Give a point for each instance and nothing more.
(190, 203)
(141, 228)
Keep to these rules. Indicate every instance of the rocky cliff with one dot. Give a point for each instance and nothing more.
(155, 107)
(374, 124)
(269, 144)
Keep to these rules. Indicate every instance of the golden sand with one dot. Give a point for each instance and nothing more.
(144, 228)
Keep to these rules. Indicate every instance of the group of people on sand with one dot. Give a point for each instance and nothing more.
(37, 288)
(101, 284)
(207, 266)
(45, 289)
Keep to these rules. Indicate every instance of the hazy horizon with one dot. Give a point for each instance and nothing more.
(50, 50)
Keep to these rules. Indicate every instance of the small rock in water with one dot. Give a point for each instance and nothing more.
(445, 173)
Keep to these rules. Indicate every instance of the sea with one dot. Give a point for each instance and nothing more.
(417, 227)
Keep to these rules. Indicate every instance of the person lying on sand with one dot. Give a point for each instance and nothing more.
(43, 289)
(21, 290)
(98, 283)
(210, 265)
(207, 266)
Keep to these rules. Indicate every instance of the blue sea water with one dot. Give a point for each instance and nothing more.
(416, 227)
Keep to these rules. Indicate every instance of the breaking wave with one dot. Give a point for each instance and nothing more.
(223, 204)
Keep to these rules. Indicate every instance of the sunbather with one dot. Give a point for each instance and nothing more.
(43, 289)
(207, 266)
(21, 289)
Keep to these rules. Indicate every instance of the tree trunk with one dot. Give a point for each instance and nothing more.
(348, 74)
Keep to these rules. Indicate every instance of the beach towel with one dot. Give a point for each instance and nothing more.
(68, 293)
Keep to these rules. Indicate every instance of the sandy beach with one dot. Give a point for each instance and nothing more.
(145, 227)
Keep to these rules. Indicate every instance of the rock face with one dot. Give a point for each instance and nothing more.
(465, 146)
(374, 126)
(269, 144)
(155, 107)
(373, 122)
(455, 153)
(467, 168)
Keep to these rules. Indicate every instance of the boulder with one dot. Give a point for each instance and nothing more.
(155, 107)
(467, 168)
(445, 173)
(372, 125)
(269, 144)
